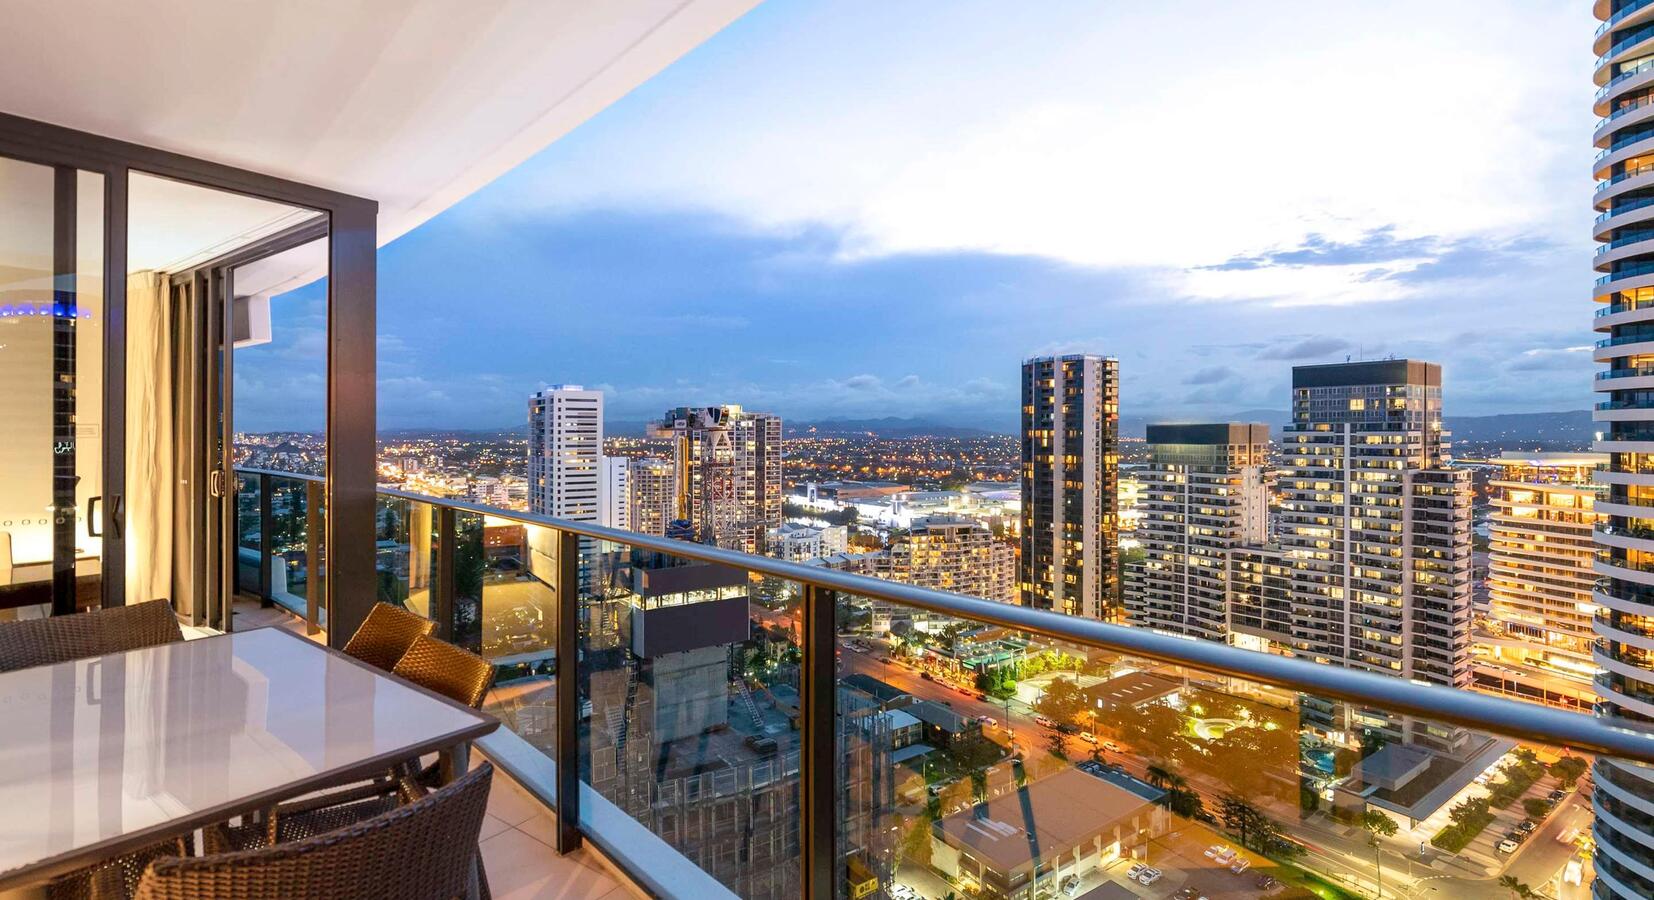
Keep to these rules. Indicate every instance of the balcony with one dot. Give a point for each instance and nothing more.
(675, 719)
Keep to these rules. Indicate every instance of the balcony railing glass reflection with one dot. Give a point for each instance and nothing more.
(964, 745)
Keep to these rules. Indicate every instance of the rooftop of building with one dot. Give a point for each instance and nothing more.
(1383, 371)
(1043, 819)
(1132, 689)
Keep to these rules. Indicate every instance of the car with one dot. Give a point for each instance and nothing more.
(1186, 893)
(966, 692)
(1071, 886)
(987, 721)
(903, 892)
(1508, 846)
(1111, 747)
(885, 660)
(1266, 883)
(1556, 795)
(1044, 721)
(1568, 837)
(1148, 876)
(1135, 870)
(1241, 865)
(1525, 826)
(927, 676)
(1088, 737)
(1572, 873)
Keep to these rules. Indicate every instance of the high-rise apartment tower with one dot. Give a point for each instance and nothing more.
(728, 473)
(1377, 531)
(1624, 200)
(565, 453)
(1202, 496)
(1070, 462)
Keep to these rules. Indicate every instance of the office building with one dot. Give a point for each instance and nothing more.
(653, 486)
(1535, 642)
(1202, 496)
(1070, 458)
(615, 491)
(728, 474)
(565, 453)
(1624, 201)
(1377, 530)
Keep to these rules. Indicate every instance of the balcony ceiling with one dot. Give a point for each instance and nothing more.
(413, 103)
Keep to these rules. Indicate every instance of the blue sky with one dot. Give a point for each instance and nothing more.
(864, 209)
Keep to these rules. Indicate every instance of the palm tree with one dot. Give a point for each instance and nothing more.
(1161, 775)
(1518, 889)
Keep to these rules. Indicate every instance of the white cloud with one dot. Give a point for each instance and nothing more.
(1166, 136)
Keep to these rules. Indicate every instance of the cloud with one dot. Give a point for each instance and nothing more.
(1545, 358)
(1210, 375)
(1313, 347)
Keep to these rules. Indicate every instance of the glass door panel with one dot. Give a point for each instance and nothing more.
(51, 388)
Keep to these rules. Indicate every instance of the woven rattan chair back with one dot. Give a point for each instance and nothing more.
(440, 666)
(386, 634)
(422, 851)
(40, 642)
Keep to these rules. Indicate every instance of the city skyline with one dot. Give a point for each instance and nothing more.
(607, 236)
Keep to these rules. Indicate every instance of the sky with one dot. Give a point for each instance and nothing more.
(869, 209)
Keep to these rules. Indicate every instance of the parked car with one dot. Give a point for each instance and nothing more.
(1556, 795)
(1044, 721)
(1088, 737)
(1071, 886)
(1148, 876)
(903, 892)
(1135, 870)
(1111, 747)
(1525, 827)
(1241, 865)
(1186, 893)
(1508, 846)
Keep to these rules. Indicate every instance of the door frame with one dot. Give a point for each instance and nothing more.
(211, 452)
(351, 323)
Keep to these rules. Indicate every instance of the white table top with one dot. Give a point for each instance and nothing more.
(103, 754)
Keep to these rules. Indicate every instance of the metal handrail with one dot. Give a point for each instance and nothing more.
(1524, 721)
(277, 473)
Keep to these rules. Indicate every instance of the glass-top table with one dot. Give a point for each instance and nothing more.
(102, 755)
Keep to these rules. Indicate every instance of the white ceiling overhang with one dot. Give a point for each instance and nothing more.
(412, 103)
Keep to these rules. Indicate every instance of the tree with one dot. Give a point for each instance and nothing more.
(1161, 775)
(1378, 825)
(916, 843)
(1568, 770)
(1517, 888)
(1469, 811)
(1061, 703)
(1254, 829)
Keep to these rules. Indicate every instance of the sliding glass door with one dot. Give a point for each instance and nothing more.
(52, 542)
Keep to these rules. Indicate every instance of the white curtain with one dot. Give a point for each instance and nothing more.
(149, 439)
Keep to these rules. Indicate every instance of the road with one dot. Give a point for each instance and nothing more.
(1541, 858)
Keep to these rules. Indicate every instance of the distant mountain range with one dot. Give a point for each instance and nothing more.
(1550, 429)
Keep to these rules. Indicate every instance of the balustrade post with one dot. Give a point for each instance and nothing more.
(818, 754)
(568, 692)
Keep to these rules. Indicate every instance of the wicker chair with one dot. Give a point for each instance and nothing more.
(438, 666)
(386, 634)
(422, 851)
(40, 642)
(460, 675)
